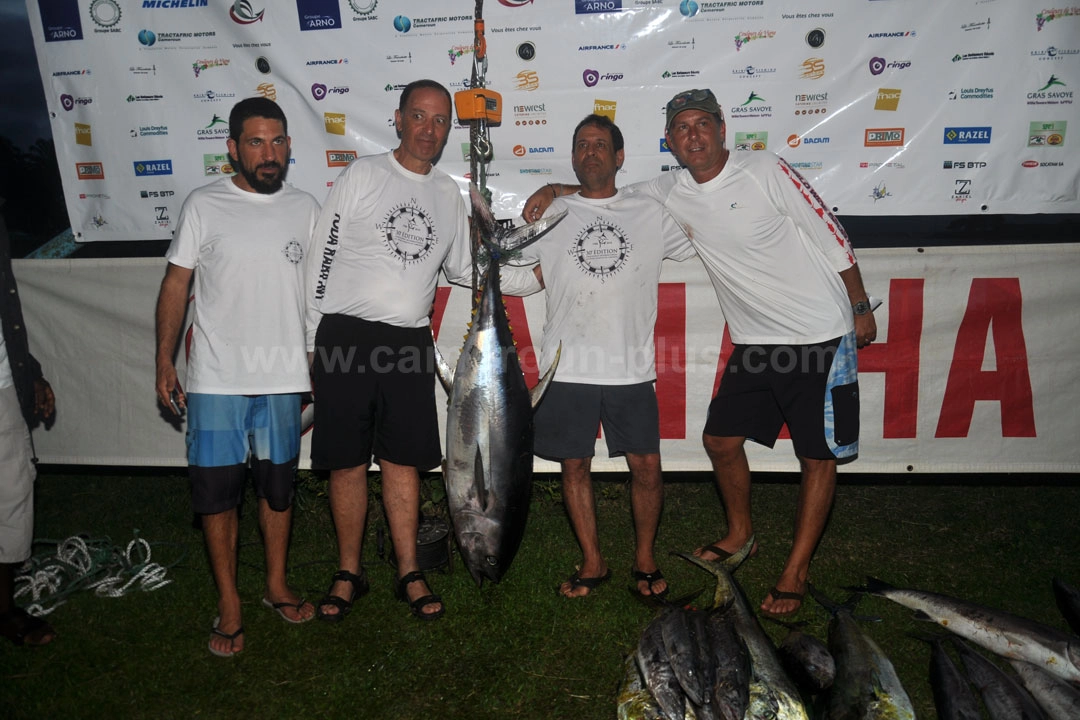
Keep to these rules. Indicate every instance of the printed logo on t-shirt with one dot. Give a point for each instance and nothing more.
(601, 249)
(293, 252)
(408, 232)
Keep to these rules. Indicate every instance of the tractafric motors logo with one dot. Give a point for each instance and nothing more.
(601, 249)
(408, 233)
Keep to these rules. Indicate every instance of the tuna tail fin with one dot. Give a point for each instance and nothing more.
(731, 563)
(524, 236)
(537, 393)
(874, 586)
(443, 369)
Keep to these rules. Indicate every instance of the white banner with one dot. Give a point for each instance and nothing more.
(889, 107)
(974, 369)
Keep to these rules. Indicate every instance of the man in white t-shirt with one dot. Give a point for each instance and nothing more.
(601, 271)
(245, 239)
(794, 302)
(391, 223)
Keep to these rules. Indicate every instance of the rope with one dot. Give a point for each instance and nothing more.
(79, 563)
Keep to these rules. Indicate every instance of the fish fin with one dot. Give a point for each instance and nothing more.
(524, 236)
(786, 624)
(822, 599)
(443, 369)
(920, 615)
(537, 393)
(876, 587)
(478, 479)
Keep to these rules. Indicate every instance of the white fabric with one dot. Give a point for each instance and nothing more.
(772, 249)
(601, 268)
(248, 251)
(6, 379)
(17, 483)
(381, 239)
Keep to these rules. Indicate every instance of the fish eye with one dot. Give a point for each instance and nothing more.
(492, 560)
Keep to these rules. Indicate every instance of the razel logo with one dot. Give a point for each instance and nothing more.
(90, 170)
(145, 168)
(242, 13)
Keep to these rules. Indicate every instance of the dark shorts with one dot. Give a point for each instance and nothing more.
(813, 388)
(567, 419)
(224, 430)
(374, 395)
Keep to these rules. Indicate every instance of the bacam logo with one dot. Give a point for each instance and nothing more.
(242, 13)
(90, 171)
(521, 150)
(795, 141)
(339, 158)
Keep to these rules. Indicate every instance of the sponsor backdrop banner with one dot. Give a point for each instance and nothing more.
(974, 369)
(889, 107)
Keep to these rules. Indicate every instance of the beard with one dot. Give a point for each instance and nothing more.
(264, 187)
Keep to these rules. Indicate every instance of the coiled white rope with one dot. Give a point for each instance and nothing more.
(80, 564)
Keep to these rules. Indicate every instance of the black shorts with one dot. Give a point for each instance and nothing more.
(813, 388)
(567, 419)
(374, 395)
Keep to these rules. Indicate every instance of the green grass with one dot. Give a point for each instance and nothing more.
(511, 650)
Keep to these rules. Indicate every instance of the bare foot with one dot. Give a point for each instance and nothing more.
(290, 606)
(581, 584)
(22, 628)
(226, 638)
(780, 602)
(650, 583)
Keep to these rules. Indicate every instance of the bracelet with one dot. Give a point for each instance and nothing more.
(554, 194)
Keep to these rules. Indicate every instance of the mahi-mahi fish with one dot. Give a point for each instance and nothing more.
(489, 416)
(1005, 634)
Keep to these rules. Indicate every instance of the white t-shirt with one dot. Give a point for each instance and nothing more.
(248, 251)
(772, 249)
(382, 237)
(601, 268)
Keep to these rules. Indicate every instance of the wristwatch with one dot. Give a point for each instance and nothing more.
(861, 308)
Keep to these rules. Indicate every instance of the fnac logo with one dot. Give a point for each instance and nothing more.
(334, 123)
(606, 108)
(82, 134)
(242, 13)
(887, 99)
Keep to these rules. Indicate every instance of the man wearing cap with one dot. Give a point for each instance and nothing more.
(793, 298)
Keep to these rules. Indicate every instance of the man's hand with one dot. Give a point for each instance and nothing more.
(44, 400)
(865, 329)
(166, 384)
(537, 203)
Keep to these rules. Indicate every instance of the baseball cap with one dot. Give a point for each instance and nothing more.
(693, 100)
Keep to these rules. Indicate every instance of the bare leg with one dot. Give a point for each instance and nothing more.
(221, 531)
(401, 498)
(732, 471)
(581, 507)
(348, 505)
(646, 502)
(275, 527)
(815, 500)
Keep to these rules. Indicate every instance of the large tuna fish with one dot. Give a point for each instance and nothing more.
(489, 417)
(1003, 696)
(1005, 634)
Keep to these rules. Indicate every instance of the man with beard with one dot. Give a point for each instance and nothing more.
(248, 238)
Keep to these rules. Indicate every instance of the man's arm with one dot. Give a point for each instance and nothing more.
(539, 201)
(865, 325)
(171, 304)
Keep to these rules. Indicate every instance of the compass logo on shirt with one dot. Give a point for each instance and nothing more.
(408, 232)
(601, 249)
(293, 252)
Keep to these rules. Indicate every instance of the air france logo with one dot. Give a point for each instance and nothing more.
(601, 249)
(408, 233)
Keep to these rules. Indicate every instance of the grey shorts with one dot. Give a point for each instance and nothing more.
(568, 418)
(16, 481)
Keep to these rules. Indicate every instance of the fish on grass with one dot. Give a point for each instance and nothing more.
(1058, 699)
(771, 693)
(1003, 696)
(953, 695)
(489, 416)
(1002, 633)
(866, 684)
(807, 659)
(1068, 602)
